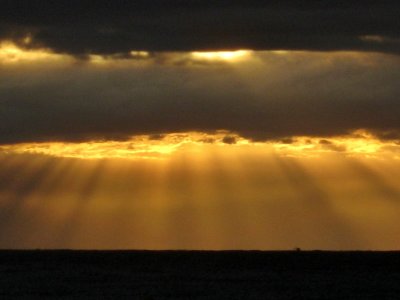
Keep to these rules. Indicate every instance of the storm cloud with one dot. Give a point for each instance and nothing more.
(107, 28)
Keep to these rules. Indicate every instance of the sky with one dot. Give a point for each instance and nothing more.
(200, 124)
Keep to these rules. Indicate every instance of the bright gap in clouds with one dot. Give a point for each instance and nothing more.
(221, 55)
(161, 146)
(11, 53)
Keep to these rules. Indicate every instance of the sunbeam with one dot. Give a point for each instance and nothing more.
(206, 194)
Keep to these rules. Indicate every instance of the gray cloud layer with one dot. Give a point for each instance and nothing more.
(270, 96)
(116, 27)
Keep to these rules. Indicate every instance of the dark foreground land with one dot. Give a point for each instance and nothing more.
(199, 275)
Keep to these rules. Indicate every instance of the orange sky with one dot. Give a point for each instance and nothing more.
(234, 164)
(203, 196)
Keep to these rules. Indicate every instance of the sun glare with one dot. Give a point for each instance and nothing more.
(221, 55)
(12, 54)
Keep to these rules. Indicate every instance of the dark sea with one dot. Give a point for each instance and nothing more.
(146, 275)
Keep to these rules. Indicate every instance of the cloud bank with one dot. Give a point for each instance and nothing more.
(106, 28)
(268, 96)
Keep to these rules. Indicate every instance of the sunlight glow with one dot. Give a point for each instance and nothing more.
(140, 54)
(141, 146)
(12, 54)
(222, 55)
(360, 144)
(202, 190)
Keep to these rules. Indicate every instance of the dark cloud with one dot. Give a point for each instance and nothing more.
(307, 95)
(332, 146)
(156, 137)
(287, 140)
(117, 27)
(325, 142)
(229, 139)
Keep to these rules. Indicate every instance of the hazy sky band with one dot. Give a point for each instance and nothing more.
(81, 28)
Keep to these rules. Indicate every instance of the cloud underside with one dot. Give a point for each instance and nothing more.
(120, 119)
(269, 96)
(77, 28)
